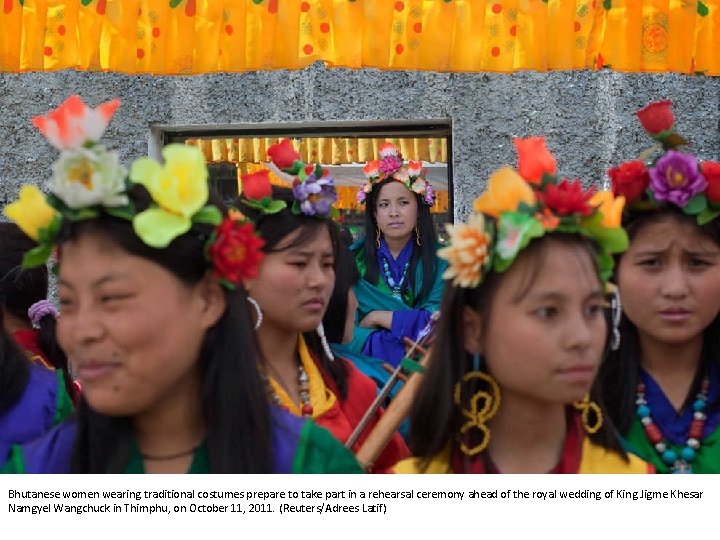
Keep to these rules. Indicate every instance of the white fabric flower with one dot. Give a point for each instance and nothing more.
(89, 176)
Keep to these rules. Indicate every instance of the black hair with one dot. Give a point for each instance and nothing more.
(435, 420)
(234, 402)
(14, 370)
(21, 287)
(274, 228)
(423, 254)
(346, 275)
(620, 374)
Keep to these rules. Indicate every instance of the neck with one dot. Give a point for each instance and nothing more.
(673, 366)
(13, 323)
(172, 426)
(527, 436)
(279, 354)
(395, 245)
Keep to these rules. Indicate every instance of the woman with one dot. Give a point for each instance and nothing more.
(291, 294)
(521, 334)
(155, 320)
(32, 397)
(401, 283)
(664, 378)
(27, 314)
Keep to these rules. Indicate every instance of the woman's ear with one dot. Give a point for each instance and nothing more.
(472, 327)
(213, 300)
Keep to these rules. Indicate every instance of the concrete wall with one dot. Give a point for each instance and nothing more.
(586, 116)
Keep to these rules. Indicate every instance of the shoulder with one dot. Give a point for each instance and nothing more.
(599, 460)
(440, 464)
(50, 453)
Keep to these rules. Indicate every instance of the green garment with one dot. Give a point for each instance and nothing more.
(707, 457)
(379, 297)
(63, 403)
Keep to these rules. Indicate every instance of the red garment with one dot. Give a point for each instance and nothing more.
(569, 460)
(28, 340)
(343, 416)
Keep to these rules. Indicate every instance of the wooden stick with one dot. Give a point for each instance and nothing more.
(384, 393)
(394, 416)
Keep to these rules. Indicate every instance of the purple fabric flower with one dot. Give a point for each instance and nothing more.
(316, 195)
(429, 194)
(390, 164)
(675, 178)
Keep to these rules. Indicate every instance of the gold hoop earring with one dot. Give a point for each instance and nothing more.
(377, 236)
(483, 406)
(418, 241)
(588, 408)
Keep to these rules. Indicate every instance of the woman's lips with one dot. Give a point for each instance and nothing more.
(95, 370)
(675, 315)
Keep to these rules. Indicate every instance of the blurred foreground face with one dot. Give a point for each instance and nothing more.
(547, 330)
(132, 330)
(669, 281)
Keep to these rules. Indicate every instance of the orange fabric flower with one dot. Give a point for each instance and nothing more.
(547, 219)
(467, 253)
(610, 207)
(534, 159)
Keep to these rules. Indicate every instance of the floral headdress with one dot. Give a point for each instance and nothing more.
(312, 186)
(521, 205)
(390, 165)
(669, 177)
(88, 180)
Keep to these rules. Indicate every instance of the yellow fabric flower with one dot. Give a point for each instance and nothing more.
(467, 253)
(179, 188)
(610, 207)
(31, 211)
(506, 190)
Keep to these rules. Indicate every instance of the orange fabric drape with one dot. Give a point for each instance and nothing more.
(206, 36)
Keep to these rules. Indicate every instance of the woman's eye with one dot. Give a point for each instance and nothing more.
(649, 263)
(594, 309)
(546, 312)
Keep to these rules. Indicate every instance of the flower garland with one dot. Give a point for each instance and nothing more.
(312, 186)
(390, 165)
(521, 205)
(88, 180)
(669, 177)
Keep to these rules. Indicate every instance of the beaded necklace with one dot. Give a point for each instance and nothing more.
(682, 462)
(396, 288)
(306, 408)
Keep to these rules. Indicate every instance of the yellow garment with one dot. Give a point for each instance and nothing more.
(321, 398)
(595, 460)
(164, 37)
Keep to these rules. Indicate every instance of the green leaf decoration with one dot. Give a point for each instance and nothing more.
(514, 233)
(227, 284)
(702, 9)
(47, 235)
(37, 256)
(157, 227)
(607, 4)
(266, 206)
(707, 215)
(695, 205)
(605, 264)
(82, 214)
(670, 139)
(208, 214)
(318, 170)
(127, 212)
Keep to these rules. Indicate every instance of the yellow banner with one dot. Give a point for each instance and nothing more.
(206, 36)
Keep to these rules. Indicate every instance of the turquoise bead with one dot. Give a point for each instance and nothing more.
(643, 411)
(699, 405)
(687, 454)
(669, 456)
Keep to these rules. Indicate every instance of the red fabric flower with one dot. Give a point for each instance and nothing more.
(630, 179)
(255, 186)
(711, 171)
(567, 198)
(657, 117)
(282, 154)
(236, 252)
(534, 159)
